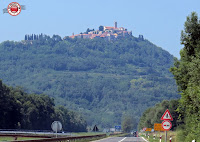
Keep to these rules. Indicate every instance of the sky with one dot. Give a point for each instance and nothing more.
(159, 21)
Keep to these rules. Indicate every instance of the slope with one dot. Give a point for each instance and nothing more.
(103, 80)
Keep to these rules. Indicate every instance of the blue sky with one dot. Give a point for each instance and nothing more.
(159, 21)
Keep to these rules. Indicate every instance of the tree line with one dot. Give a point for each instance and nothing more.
(153, 115)
(41, 37)
(186, 72)
(19, 110)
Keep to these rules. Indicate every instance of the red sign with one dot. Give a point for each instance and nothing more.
(167, 116)
(166, 125)
(144, 129)
(14, 8)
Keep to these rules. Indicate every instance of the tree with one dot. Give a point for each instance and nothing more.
(26, 37)
(88, 30)
(186, 71)
(101, 28)
(190, 37)
(128, 123)
(9, 109)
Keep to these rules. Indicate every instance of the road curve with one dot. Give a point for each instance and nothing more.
(122, 139)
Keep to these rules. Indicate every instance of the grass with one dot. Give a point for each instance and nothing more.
(2, 139)
(157, 136)
(88, 133)
(6, 138)
(95, 133)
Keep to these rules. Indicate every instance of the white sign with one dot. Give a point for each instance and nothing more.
(166, 125)
(56, 126)
(167, 116)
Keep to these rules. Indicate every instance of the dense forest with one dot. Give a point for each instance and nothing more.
(104, 80)
(153, 115)
(19, 110)
(186, 71)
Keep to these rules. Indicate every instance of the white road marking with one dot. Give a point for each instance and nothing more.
(144, 139)
(122, 139)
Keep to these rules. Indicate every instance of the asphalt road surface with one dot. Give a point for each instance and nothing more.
(122, 139)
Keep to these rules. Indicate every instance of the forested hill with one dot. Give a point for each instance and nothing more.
(19, 110)
(103, 80)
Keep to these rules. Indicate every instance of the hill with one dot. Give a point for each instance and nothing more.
(103, 80)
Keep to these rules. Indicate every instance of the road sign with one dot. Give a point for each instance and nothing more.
(95, 129)
(144, 129)
(166, 125)
(158, 127)
(148, 129)
(118, 127)
(56, 126)
(167, 116)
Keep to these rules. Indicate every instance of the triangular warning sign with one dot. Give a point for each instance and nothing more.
(167, 116)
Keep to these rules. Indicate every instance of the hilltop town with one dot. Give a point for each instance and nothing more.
(109, 33)
(105, 32)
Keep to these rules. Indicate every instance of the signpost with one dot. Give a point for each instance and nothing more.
(144, 129)
(118, 128)
(167, 116)
(148, 129)
(158, 127)
(166, 124)
(56, 127)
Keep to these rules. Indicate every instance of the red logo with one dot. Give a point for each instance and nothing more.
(14, 9)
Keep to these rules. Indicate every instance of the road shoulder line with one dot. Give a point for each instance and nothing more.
(144, 139)
(101, 139)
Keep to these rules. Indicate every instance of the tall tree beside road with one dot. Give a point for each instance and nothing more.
(128, 123)
(9, 108)
(186, 71)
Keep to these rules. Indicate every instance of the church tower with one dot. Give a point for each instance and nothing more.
(115, 25)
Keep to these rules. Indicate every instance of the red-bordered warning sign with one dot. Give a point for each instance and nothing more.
(167, 116)
(166, 125)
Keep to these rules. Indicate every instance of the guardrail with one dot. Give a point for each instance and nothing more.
(63, 139)
(22, 135)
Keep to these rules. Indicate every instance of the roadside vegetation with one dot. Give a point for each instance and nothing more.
(186, 71)
(172, 134)
(19, 110)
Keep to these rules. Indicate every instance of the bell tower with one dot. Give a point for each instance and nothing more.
(115, 25)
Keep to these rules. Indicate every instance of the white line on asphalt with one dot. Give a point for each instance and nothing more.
(100, 140)
(122, 139)
(144, 139)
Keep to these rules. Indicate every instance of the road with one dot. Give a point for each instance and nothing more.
(122, 139)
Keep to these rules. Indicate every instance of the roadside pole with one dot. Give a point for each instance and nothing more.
(170, 139)
(166, 124)
(56, 127)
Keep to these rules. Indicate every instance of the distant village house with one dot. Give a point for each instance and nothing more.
(109, 33)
